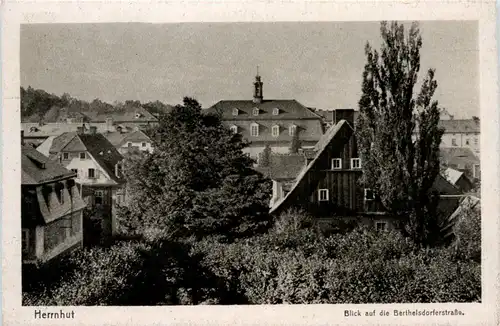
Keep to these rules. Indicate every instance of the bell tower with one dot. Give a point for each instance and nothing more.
(257, 93)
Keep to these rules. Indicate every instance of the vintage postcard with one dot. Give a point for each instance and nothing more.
(223, 163)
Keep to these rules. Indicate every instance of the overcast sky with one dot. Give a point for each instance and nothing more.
(318, 64)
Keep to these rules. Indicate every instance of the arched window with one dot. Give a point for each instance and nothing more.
(256, 111)
(235, 111)
(276, 111)
(292, 130)
(234, 129)
(276, 131)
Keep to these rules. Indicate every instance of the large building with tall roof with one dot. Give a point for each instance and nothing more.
(464, 133)
(273, 122)
(51, 210)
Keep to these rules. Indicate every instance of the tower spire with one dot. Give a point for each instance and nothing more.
(257, 93)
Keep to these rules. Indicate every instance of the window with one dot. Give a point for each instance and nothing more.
(82, 156)
(381, 226)
(276, 131)
(453, 142)
(476, 172)
(75, 171)
(355, 163)
(129, 144)
(255, 111)
(276, 111)
(25, 239)
(60, 194)
(292, 129)
(118, 170)
(91, 173)
(235, 111)
(467, 141)
(254, 130)
(234, 129)
(143, 144)
(98, 197)
(323, 195)
(369, 194)
(336, 163)
(65, 156)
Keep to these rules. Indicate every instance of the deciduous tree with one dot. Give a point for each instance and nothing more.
(197, 181)
(398, 133)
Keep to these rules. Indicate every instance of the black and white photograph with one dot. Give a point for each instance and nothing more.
(252, 163)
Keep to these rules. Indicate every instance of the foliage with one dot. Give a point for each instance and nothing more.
(359, 267)
(398, 133)
(266, 156)
(292, 263)
(197, 181)
(468, 235)
(295, 143)
(39, 106)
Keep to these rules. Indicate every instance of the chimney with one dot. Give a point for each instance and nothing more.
(344, 114)
(22, 137)
(258, 94)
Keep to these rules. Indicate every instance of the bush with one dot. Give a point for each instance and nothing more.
(362, 266)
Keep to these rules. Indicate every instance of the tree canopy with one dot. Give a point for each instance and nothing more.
(197, 181)
(397, 130)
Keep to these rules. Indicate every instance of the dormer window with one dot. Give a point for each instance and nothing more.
(33, 129)
(336, 164)
(235, 111)
(66, 156)
(255, 111)
(355, 163)
(292, 130)
(254, 130)
(137, 115)
(276, 131)
(59, 188)
(234, 129)
(276, 111)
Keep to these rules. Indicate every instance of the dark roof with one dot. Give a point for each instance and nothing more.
(126, 114)
(120, 138)
(38, 168)
(458, 156)
(283, 166)
(460, 126)
(96, 144)
(288, 109)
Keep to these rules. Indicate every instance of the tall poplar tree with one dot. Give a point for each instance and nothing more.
(398, 133)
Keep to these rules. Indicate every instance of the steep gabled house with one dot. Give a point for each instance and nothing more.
(328, 186)
(98, 166)
(51, 209)
(270, 121)
(124, 142)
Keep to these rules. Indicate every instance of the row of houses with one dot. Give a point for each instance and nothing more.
(79, 163)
